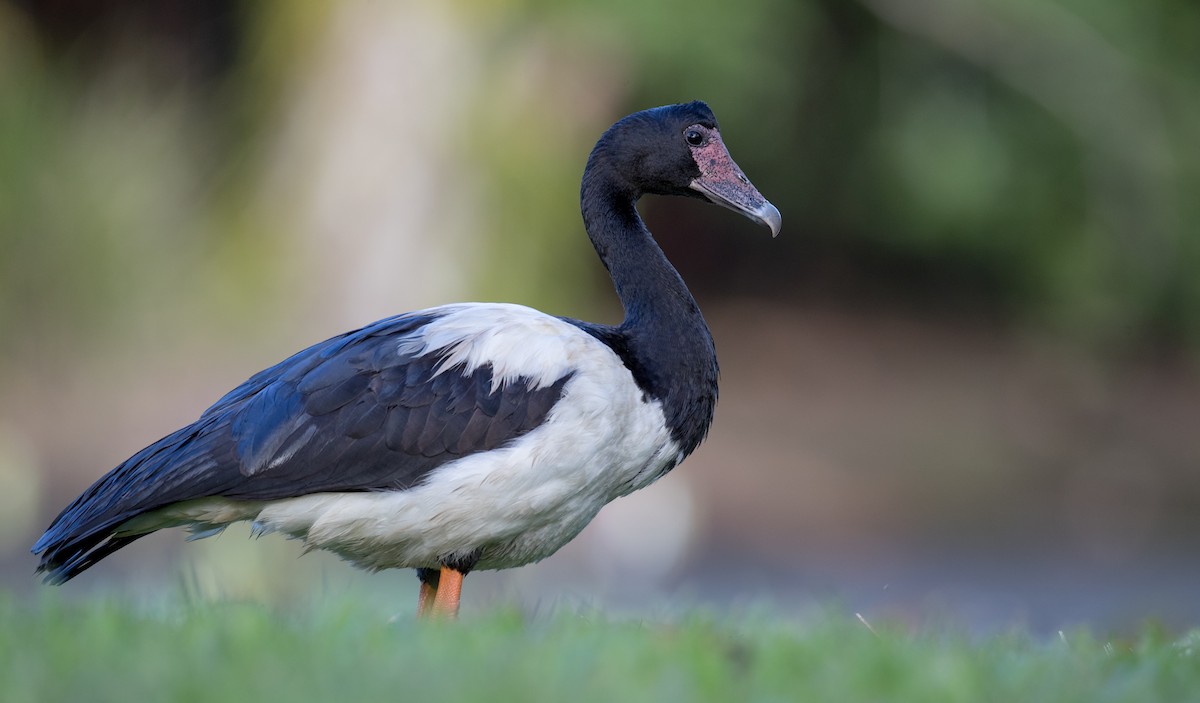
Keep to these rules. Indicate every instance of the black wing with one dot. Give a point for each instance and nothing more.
(352, 413)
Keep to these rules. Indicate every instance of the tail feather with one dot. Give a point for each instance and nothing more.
(180, 466)
(67, 561)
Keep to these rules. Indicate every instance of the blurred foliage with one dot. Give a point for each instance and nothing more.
(1037, 159)
(88, 186)
(106, 165)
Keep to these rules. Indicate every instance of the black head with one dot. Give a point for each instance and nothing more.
(677, 150)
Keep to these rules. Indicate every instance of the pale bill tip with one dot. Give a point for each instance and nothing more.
(769, 215)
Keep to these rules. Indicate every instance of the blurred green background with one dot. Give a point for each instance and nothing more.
(965, 379)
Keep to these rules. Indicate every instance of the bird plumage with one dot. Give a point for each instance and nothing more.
(374, 410)
(476, 435)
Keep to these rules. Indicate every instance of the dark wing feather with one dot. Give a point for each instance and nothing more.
(349, 414)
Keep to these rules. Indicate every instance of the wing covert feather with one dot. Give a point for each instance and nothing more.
(369, 417)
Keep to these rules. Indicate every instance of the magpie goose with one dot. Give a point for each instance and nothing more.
(469, 436)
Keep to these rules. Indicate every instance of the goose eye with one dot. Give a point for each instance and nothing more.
(694, 137)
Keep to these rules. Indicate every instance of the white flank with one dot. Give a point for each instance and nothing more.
(519, 503)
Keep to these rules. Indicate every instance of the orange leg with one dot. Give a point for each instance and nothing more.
(447, 593)
(426, 598)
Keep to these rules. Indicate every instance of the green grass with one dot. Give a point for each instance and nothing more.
(102, 650)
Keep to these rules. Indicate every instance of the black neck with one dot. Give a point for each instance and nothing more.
(650, 289)
(663, 339)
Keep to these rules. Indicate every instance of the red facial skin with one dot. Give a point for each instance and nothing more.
(722, 182)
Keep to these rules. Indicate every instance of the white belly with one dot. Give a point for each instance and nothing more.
(517, 505)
